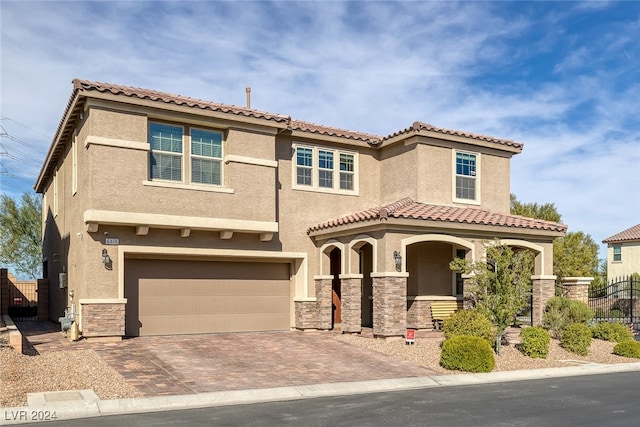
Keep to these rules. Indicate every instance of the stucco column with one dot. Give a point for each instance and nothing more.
(389, 304)
(43, 300)
(351, 302)
(577, 288)
(467, 301)
(323, 301)
(543, 288)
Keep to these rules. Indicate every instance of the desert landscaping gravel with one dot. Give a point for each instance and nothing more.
(58, 371)
(84, 369)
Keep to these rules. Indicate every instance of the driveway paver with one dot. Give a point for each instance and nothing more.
(185, 364)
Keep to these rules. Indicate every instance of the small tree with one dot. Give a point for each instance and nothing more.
(575, 254)
(545, 211)
(499, 287)
(20, 234)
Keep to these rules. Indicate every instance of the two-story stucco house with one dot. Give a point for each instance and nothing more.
(165, 214)
(623, 253)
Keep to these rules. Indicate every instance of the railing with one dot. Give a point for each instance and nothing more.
(619, 301)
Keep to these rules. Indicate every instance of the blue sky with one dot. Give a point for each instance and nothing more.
(561, 77)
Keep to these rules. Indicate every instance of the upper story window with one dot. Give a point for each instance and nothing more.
(324, 169)
(174, 148)
(206, 157)
(617, 253)
(166, 151)
(466, 176)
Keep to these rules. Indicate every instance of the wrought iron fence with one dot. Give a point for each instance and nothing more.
(619, 301)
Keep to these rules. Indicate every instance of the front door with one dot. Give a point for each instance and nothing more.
(335, 286)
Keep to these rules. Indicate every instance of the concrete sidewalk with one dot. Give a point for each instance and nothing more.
(65, 405)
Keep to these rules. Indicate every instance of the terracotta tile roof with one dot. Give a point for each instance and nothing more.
(408, 209)
(630, 234)
(329, 131)
(154, 95)
(418, 126)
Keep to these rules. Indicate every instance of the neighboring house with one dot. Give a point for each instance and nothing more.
(623, 253)
(171, 215)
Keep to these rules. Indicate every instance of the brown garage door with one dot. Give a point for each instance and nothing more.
(192, 297)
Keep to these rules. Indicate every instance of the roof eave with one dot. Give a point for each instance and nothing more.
(419, 224)
(70, 114)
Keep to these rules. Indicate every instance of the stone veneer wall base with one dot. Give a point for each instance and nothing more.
(103, 320)
(351, 305)
(389, 306)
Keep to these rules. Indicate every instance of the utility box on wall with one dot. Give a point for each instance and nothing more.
(62, 280)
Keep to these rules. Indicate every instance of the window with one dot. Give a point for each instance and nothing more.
(304, 160)
(346, 171)
(166, 151)
(617, 253)
(171, 144)
(206, 156)
(325, 166)
(465, 176)
(325, 170)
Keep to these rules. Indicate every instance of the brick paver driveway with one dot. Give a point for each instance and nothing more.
(203, 363)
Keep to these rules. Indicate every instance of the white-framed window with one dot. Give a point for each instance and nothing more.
(617, 253)
(325, 169)
(206, 157)
(466, 166)
(165, 157)
(185, 154)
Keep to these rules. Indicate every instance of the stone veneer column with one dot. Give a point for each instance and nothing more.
(418, 314)
(389, 304)
(543, 288)
(103, 319)
(324, 309)
(351, 302)
(577, 288)
(306, 313)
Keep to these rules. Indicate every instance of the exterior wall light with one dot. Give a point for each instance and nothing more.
(398, 259)
(106, 260)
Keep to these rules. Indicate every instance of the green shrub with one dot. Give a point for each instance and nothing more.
(615, 313)
(577, 339)
(560, 312)
(535, 342)
(465, 353)
(627, 349)
(471, 323)
(616, 332)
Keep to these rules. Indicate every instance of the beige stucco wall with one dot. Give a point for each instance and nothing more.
(425, 173)
(300, 209)
(429, 264)
(113, 173)
(120, 176)
(629, 264)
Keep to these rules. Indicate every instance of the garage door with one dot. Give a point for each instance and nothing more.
(194, 297)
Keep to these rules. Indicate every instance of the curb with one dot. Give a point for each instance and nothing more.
(44, 410)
